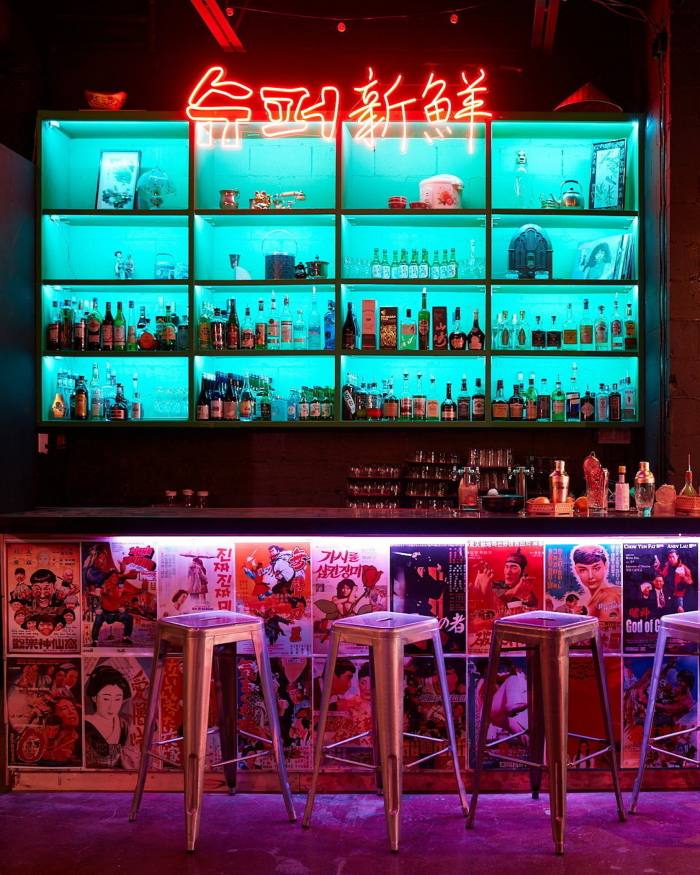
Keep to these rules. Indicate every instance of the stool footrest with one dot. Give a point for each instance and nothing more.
(210, 731)
(425, 738)
(670, 753)
(674, 734)
(588, 737)
(344, 741)
(518, 760)
(507, 738)
(254, 736)
(349, 761)
(430, 756)
(590, 756)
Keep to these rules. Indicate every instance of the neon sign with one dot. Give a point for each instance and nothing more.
(289, 110)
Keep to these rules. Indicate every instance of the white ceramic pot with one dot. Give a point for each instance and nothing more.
(442, 192)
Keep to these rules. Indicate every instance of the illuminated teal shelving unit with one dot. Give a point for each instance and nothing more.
(340, 220)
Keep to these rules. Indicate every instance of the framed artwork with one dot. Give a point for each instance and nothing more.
(606, 258)
(608, 170)
(116, 183)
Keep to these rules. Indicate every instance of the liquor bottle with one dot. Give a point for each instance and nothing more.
(131, 338)
(202, 409)
(58, 409)
(293, 405)
(522, 184)
(329, 326)
(457, 338)
(80, 328)
(233, 328)
(558, 403)
(314, 327)
(539, 337)
(142, 324)
(553, 340)
(475, 338)
(424, 322)
(299, 331)
(394, 272)
(327, 405)
(496, 331)
(265, 402)
(419, 399)
(475, 269)
(107, 330)
(315, 405)
(273, 327)
(544, 402)
(569, 334)
(464, 402)
(81, 408)
(432, 405)
(413, 267)
(614, 405)
(386, 267)
(109, 391)
(622, 491)
(95, 394)
(403, 265)
(260, 326)
(423, 265)
(119, 410)
(617, 338)
(600, 331)
(522, 333)
(531, 400)
(448, 408)
(286, 329)
(216, 400)
(246, 403)
(168, 337)
(65, 326)
(588, 407)
(452, 268)
(72, 381)
(516, 405)
(688, 489)
(348, 396)
(499, 405)
(203, 327)
(586, 328)
(629, 400)
(435, 266)
(376, 265)
(506, 339)
(601, 403)
(390, 405)
(217, 330)
(52, 328)
(136, 406)
(444, 266)
(644, 489)
(478, 402)
(349, 330)
(304, 406)
(407, 336)
(120, 329)
(573, 398)
(406, 401)
(630, 344)
(247, 331)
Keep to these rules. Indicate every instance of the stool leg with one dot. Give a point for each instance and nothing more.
(321, 727)
(198, 652)
(376, 758)
(159, 653)
(555, 699)
(535, 727)
(388, 657)
(649, 718)
(489, 690)
(268, 689)
(449, 722)
(599, 662)
(226, 687)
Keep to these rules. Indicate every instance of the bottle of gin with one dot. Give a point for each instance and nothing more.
(558, 403)
(573, 397)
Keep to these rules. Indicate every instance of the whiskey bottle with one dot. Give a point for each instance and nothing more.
(539, 337)
(261, 326)
(600, 331)
(203, 327)
(119, 410)
(216, 331)
(614, 405)
(233, 328)
(478, 402)
(569, 335)
(630, 344)
(586, 328)
(432, 406)
(553, 335)
(424, 322)
(81, 410)
(168, 336)
(558, 403)
(516, 405)
(475, 338)
(457, 338)
(349, 335)
(448, 408)
(52, 328)
(419, 399)
(406, 403)
(464, 402)
(544, 402)
(499, 405)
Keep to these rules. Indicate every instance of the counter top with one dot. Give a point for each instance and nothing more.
(319, 521)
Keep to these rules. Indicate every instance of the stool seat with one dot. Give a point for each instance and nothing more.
(216, 624)
(368, 628)
(540, 625)
(686, 626)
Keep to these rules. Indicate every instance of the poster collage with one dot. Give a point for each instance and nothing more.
(80, 620)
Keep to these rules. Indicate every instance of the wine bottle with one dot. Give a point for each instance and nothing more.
(349, 330)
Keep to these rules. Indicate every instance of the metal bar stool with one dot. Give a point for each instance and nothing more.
(685, 627)
(386, 633)
(546, 637)
(208, 641)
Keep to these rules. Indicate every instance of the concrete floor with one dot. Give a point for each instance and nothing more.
(48, 834)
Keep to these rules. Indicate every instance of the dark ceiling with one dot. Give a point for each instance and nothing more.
(156, 49)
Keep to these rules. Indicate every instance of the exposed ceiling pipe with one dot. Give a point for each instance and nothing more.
(219, 24)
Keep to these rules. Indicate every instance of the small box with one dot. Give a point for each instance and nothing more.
(564, 508)
(388, 327)
(439, 327)
(369, 324)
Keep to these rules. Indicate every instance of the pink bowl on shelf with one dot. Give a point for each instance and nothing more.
(397, 202)
(419, 205)
(101, 100)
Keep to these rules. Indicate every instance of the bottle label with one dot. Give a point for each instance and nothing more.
(419, 408)
(376, 270)
(266, 411)
(273, 332)
(391, 410)
(475, 342)
(58, 408)
(348, 338)
(413, 271)
(554, 339)
(622, 496)
(499, 410)
(117, 412)
(216, 408)
(349, 404)
(544, 408)
(463, 408)
(52, 335)
(586, 334)
(107, 336)
(478, 408)
(168, 335)
(303, 410)
(448, 414)
(558, 407)
(601, 333)
(136, 410)
(291, 412)
(531, 410)
(245, 408)
(515, 410)
(432, 409)
(538, 340)
(120, 335)
(204, 335)
(602, 408)
(260, 334)
(615, 411)
(569, 336)
(587, 412)
(286, 332)
(230, 410)
(95, 407)
(81, 406)
(247, 339)
(616, 328)
(315, 410)
(423, 271)
(232, 337)
(406, 408)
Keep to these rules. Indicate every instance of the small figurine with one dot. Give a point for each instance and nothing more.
(129, 268)
(260, 201)
(119, 272)
(300, 271)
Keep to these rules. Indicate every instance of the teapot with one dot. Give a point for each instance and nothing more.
(571, 194)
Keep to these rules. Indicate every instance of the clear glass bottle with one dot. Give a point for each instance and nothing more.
(314, 327)
(246, 404)
(601, 403)
(273, 326)
(329, 326)
(569, 334)
(286, 326)
(299, 331)
(522, 183)
(419, 399)
(406, 401)
(586, 328)
(573, 397)
(600, 331)
(96, 409)
(522, 333)
(644, 489)
(432, 406)
(617, 337)
(136, 404)
(622, 491)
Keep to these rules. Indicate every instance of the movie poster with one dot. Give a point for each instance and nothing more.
(585, 715)
(508, 711)
(292, 682)
(43, 598)
(676, 709)
(586, 579)
(119, 596)
(424, 713)
(658, 579)
(350, 710)
(347, 579)
(44, 717)
(195, 575)
(429, 579)
(116, 702)
(273, 581)
(505, 578)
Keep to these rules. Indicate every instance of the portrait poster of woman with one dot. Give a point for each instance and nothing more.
(194, 576)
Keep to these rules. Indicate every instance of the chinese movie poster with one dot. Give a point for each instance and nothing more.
(508, 715)
(429, 579)
(350, 710)
(44, 717)
(347, 579)
(658, 579)
(43, 598)
(586, 579)
(195, 575)
(505, 578)
(119, 596)
(273, 582)
(585, 715)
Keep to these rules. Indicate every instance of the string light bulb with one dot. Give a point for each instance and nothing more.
(342, 27)
(454, 18)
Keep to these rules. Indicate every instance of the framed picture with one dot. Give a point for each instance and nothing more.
(608, 169)
(116, 183)
(601, 259)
